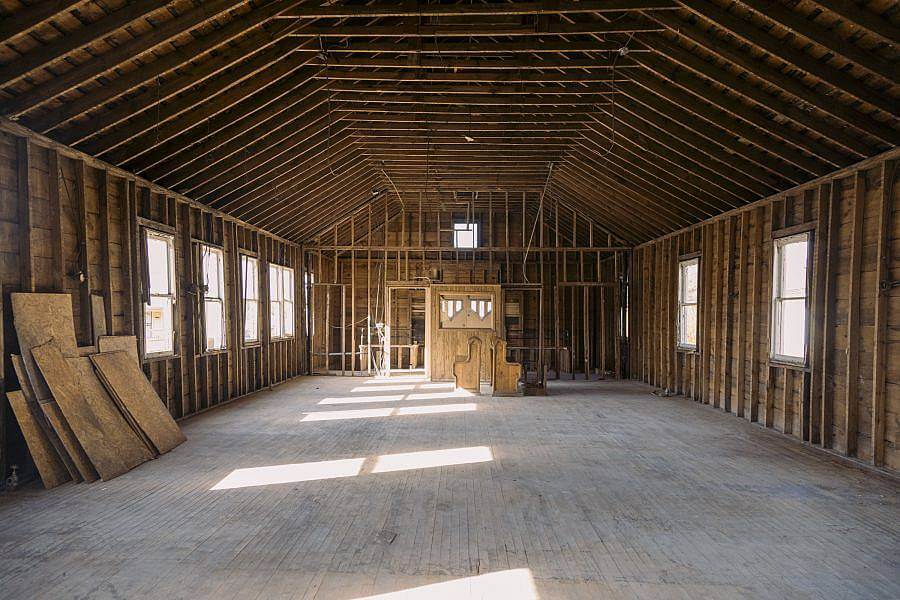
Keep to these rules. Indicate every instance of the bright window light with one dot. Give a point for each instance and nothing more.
(460, 393)
(281, 302)
(502, 585)
(250, 297)
(432, 458)
(789, 298)
(159, 304)
(311, 471)
(465, 236)
(688, 286)
(212, 266)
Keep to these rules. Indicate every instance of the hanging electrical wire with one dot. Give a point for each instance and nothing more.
(534, 227)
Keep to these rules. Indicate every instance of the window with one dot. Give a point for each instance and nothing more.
(460, 311)
(212, 289)
(465, 235)
(281, 302)
(250, 297)
(789, 279)
(159, 294)
(688, 280)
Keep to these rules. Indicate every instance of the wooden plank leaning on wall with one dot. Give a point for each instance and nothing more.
(834, 402)
(77, 228)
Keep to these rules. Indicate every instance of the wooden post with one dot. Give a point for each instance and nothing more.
(852, 383)
(883, 285)
(84, 287)
(26, 263)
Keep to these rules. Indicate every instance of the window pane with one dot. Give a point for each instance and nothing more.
(214, 325)
(158, 263)
(275, 327)
(687, 330)
(465, 235)
(792, 328)
(213, 272)
(793, 269)
(288, 279)
(158, 325)
(288, 319)
(274, 283)
(251, 321)
(690, 282)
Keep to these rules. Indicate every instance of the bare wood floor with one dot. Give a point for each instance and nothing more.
(600, 490)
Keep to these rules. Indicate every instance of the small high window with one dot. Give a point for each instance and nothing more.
(281, 302)
(212, 264)
(789, 298)
(465, 235)
(159, 295)
(250, 297)
(688, 283)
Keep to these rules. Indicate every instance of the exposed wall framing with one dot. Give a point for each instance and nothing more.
(72, 224)
(848, 396)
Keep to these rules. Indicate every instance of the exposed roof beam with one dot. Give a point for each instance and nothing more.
(465, 88)
(459, 10)
(798, 24)
(127, 51)
(470, 100)
(497, 76)
(75, 40)
(863, 18)
(536, 46)
(429, 31)
(26, 19)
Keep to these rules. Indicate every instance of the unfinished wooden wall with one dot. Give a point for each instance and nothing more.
(848, 397)
(579, 267)
(70, 224)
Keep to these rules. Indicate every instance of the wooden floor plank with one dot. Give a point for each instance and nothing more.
(600, 489)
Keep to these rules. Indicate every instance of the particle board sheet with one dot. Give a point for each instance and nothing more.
(124, 343)
(127, 383)
(41, 318)
(51, 469)
(19, 368)
(108, 442)
(60, 425)
(131, 447)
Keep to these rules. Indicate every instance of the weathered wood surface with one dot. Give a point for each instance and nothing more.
(39, 319)
(600, 491)
(116, 343)
(49, 465)
(42, 420)
(506, 374)
(128, 385)
(107, 440)
(467, 367)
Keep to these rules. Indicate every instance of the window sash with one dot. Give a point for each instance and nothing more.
(159, 298)
(250, 298)
(465, 236)
(687, 327)
(281, 302)
(212, 267)
(790, 305)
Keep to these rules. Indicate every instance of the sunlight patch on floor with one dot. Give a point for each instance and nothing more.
(368, 413)
(514, 584)
(432, 458)
(311, 471)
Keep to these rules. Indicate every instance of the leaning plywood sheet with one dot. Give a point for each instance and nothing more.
(126, 382)
(102, 441)
(114, 343)
(19, 367)
(41, 318)
(131, 448)
(50, 467)
(86, 470)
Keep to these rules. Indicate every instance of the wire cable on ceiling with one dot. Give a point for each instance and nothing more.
(536, 219)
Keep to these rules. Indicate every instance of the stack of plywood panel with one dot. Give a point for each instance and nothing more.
(85, 413)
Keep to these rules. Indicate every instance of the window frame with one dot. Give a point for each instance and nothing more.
(205, 298)
(147, 293)
(282, 301)
(244, 259)
(776, 299)
(681, 303)
(466, 226)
